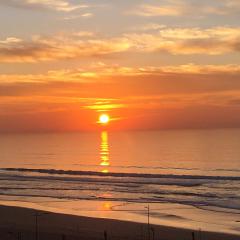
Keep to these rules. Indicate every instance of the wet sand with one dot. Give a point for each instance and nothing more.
(22, 223)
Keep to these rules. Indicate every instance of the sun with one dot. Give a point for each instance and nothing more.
(104, 119)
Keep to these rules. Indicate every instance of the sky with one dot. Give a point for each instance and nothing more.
(157, 64)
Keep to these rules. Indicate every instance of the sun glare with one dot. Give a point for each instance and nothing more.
(104, 119)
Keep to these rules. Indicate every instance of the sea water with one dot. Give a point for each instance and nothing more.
(188, 178)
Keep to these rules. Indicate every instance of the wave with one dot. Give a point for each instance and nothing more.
(203, 204)
(118, 174)
(194, 190)
(156, 193)
(148, 167)
(117, 181)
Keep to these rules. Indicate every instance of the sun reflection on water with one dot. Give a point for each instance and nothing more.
(107, 206)
(104, 152)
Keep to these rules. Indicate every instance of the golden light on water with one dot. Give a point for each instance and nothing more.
(107, 206)
(104, 152)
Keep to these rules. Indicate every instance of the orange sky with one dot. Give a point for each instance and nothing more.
(148, 64)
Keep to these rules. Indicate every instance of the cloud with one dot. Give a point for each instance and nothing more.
(56, 5)
(10, 40)
(147, 10)
(181, 96)
(87, 15)
(105, 73)
(210, 41)
(58, 47)
(148, 27)
(115, 87)
(83, 15)
(176, 8)
(177, 41)
(231, 7)
(84, 34)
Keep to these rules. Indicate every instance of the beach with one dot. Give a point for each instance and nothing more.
(20, 223)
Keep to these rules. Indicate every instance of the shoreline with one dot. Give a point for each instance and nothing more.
(164, 214)
(20, 222)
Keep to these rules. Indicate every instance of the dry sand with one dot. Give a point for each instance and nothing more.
(20, 223)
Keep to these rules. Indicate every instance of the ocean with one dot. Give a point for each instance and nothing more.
(187, 178)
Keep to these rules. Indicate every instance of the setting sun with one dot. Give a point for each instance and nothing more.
(104, 119)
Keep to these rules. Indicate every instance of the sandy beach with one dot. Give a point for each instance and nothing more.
(22, 223)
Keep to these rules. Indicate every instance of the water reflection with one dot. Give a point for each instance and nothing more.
(104, 152)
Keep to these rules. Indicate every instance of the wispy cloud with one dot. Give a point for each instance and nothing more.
(57, 5)
(231, 7)
(116, 87)
(87, 15)
(106, 72)
(181, 96)
(82, 15)
(147, 10)
(185, 8)
(177, 41)
(58, 47)
(210, 41)
(148, 27)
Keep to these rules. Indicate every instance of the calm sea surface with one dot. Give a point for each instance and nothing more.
(112, 172)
